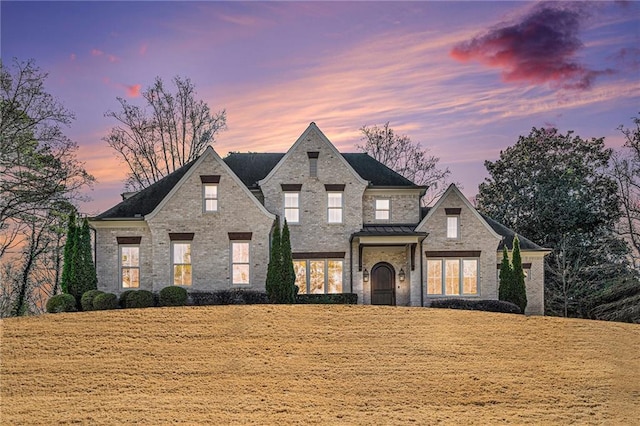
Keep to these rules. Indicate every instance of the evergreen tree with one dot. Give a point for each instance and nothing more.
(288, 282)
(274, 270)
(506, 274)
(68, 270)
(86, 272)
(518, 289)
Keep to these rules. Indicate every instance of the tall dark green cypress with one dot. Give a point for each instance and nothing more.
(506, 275)
(274, 270)
(288, 283)
(68, 267)
(519, 290)
(86, 273)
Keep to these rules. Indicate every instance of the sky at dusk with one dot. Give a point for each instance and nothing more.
(464, 79)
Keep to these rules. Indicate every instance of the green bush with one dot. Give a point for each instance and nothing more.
(61, 303)
(172, 296)
(122, 301)
(477, 305)
(140, 299)
(86, 301)
(105, 301)
(228, 297)
(327, 299)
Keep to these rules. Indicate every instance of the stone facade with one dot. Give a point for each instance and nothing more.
(313, 168)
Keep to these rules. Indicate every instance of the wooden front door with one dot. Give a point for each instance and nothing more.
(383, 284)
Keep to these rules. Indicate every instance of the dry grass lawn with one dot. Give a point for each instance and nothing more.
(307, 364)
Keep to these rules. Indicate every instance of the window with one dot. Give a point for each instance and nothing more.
(240, 268)
(210, 197)
(313, 163)
(318, 276)
(334, 207)
(292, 207)
(130, 266)
(383, 209)
(452, 226)
(452, 277)
(181, 259)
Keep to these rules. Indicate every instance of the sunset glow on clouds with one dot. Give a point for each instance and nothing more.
(463, 79)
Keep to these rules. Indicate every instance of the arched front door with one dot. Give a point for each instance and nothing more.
(383, 284)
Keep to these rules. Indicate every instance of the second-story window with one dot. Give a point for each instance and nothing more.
(210, 192)
(210, 197)
(334, 203)
(383, 209)
(453, 222)
(292, 207)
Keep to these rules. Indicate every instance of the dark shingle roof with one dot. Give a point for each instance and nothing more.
(145, 201)
(388, 229)
(252, 167)
(374, 171)
(506, 233)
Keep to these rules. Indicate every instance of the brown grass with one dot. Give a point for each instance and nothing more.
(316, 364)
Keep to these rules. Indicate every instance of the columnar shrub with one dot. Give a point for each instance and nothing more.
(173, 296)
(140, 299)
(104, 301)
(61, 303)
(86, 302)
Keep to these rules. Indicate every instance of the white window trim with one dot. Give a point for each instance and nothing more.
(173, 264)
(285, 208)
(341, 208)
(326, 273)
(457, 218)
(121, 267)
(376, 210)
(231, 263)
(204, 198)
(443, 283)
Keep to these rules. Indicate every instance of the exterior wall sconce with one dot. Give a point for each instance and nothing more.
(365, 275)
(401, 274)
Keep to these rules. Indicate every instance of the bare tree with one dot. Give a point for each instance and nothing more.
(170, 131)
(40, 178)
(626, 171)
(406, 157)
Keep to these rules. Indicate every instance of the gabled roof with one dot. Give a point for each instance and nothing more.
(312, 128)
(506, 233)
(253, 167)
(145, 201)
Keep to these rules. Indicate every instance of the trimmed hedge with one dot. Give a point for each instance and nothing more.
(86, 301)
(477, 305)
(105, 301)
(140, 299)
(172, 296)
(61, 303)
(228, 297)
(327, 299)
(122, 300)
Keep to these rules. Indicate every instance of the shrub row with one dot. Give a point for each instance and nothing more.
(327, 299)
(478, 305)
(228, 297)
(61, 303)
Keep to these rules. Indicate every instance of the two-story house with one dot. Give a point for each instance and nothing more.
(356, 227)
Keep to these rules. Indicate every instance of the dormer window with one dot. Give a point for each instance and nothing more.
(383, 209)
(210, 192)
(313, 163)
(453, 223)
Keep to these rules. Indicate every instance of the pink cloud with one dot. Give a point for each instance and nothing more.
(113, 58)
(541, 47)
(133, 91)
(72, 57)
(96, 52)
(143, 49)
